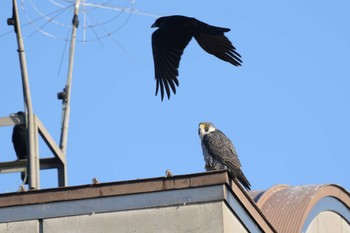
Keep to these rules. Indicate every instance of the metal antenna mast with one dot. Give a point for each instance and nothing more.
(65, 95)
(35, 127)
(33, 156)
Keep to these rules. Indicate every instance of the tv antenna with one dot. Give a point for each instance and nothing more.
(34, 126)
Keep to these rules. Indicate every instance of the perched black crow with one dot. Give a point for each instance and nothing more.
(171, 38)
(19, 140)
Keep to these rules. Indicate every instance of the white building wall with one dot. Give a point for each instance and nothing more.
(328, 222)
(31, 226)
(231, 222)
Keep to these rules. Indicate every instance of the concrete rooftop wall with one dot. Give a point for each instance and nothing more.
(202, 218)
(208, 202)
(204, 202)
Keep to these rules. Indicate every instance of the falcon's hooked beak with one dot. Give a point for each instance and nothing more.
(204, 126)
(201, 130)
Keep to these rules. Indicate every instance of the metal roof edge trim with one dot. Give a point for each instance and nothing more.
(271, 202)
(113, 188)
(338, 194)
(237, 190)
(136, 201)
(327, 204)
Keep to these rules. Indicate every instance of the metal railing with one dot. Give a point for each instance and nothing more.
(57, 162)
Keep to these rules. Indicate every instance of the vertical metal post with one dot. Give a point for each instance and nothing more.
(67, 89)
(33, 155)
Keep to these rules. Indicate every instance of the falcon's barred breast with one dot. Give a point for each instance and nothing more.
(219, 153)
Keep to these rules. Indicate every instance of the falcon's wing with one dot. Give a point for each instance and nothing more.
(168, 47)
(213, 41)
(221, 148)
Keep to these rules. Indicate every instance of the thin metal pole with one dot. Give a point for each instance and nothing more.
(33, 156)
(67, 89)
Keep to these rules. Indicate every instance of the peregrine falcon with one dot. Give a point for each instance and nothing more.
(173, 35)
(19, 140)
(219, 153)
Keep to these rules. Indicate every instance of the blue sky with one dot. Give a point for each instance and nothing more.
(286, 109)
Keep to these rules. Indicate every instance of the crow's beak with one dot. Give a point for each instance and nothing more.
(17, 114)
(154, 25)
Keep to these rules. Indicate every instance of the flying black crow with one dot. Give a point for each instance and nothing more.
(19, 140)
(171, 38)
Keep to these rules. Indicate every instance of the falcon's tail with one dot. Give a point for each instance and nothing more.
(238, 174)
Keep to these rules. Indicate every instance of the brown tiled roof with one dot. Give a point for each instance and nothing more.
(287, 207)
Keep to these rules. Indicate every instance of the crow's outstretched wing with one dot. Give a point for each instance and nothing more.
(171, 38)
(213, 41)
(168, 46)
